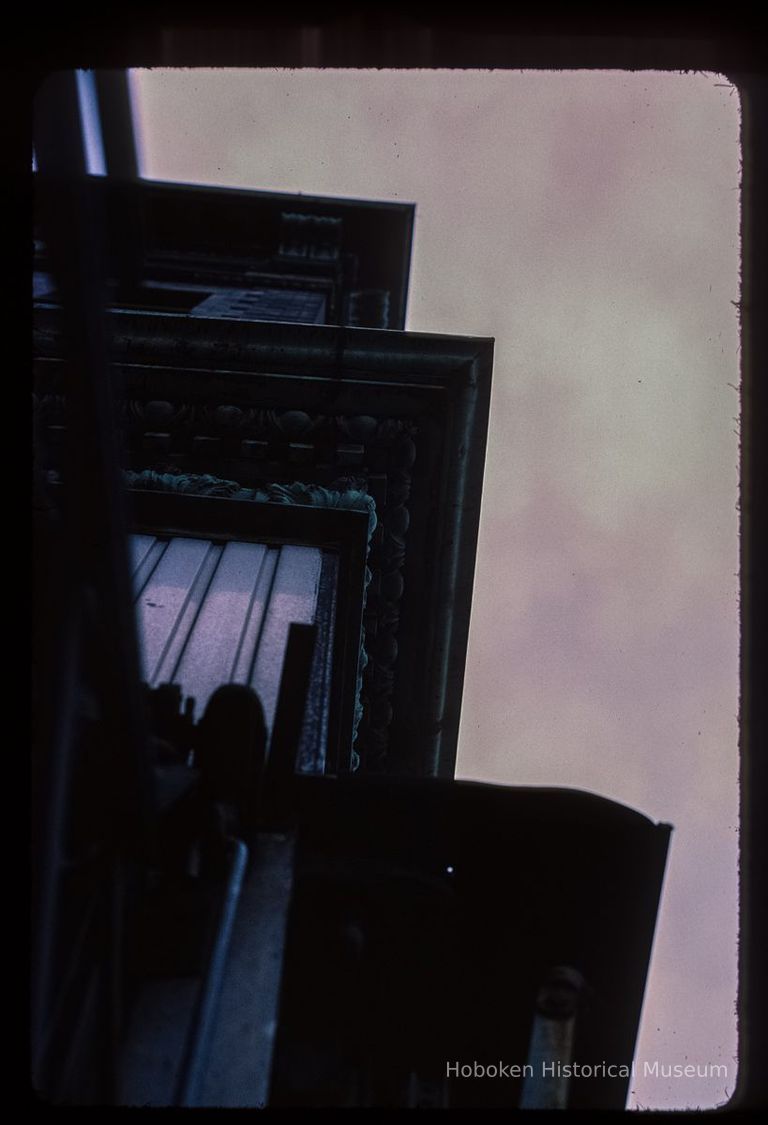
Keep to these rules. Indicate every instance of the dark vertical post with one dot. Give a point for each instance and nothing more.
(289, 720)
(93, 549)
(94, 486)
(118, 137)
(59, 143)
(113, 95)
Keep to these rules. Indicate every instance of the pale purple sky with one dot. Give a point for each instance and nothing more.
(589, 222)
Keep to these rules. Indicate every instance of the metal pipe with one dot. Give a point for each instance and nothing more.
(198, 1043)
(113, 94)
(547, 1084)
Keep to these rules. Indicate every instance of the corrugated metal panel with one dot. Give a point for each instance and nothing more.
(209, 614)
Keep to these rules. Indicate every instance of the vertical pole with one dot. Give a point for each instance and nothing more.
(94, 489)
(551, 1047)
(118, 136)
(94, 554)
(289, 721)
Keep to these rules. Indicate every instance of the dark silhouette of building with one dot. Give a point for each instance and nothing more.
(271, 889)
(221, 252)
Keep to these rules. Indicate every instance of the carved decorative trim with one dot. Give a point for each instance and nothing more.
(406, 413)
(197, 484)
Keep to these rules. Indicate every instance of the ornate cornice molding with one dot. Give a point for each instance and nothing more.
(403, 414)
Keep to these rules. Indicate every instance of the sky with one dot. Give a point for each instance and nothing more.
(589, 222)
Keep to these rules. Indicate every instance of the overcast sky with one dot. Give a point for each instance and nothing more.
(588, 221)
